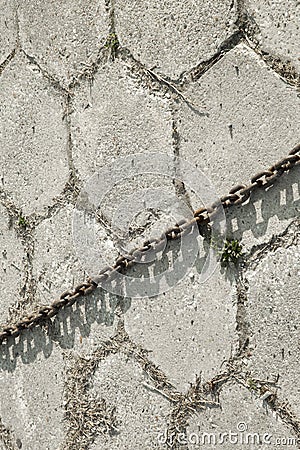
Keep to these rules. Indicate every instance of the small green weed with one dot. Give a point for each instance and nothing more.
(252, 384)
(231, 252)
(112, 44)
(22, 222)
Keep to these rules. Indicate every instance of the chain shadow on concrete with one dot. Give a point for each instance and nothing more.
(103, 308)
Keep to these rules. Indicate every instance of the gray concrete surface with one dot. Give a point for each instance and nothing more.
(31, 121)
(278, 29)
(64, 38)
(246, 417)
(273, 315)
(83, 84)
(172, 37)
(196, 316)
(13, 270)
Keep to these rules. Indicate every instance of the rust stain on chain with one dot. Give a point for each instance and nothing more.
(238, 195)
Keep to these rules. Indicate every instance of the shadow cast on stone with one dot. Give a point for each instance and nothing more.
(281, 200)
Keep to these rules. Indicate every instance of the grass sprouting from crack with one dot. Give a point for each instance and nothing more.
(232, 251)
(229, 251)
(112, 44)
(22, 222)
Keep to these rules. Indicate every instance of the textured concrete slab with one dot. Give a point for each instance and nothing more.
(55, 267)
(115, 371)
(12, 265)
(31, 392)
(65, 38)
(268, 213)
(278, 28)
(189, 330)
(140, 412)
(242, 421)
(8, 28)
(272, 310)
(33, 159)
(242, 133)
(173, 36)
(114, 117)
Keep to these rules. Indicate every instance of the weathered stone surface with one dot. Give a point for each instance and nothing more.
(272, 311)
(64, 37)
(141, 413)
(244, 418)
(189, 329)
(33, 141)
(56, 268)
(7, 28)
(243, 130)
(268, 212)
(173, 36)
(250, 121)
(114, 117)
(31, 392)
(12, 270)
(278, 25)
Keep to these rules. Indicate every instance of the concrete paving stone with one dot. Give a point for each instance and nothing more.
(279, 30)
(173, 36)
(33, 160)
(8, 27)
(12, 265)
(64, 37)
(141, 413)
(243, 131)
(189, 329)
(244, 416)
(268, 213)
(272, 311)
(114, 117)
(31, 395)
(57, 268)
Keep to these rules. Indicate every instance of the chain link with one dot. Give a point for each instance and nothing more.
(238, 195)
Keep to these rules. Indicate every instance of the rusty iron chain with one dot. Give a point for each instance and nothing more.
(238, 195)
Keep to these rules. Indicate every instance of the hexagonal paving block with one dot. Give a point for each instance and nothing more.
(12, 265)
(278, 25)
(172, 37)
(8, 28)
(114, 117)
(56, 268)
(33, 159)
(189, 329)
(55, 265)
(140, 413)
(243, 131)
(241, 422)
(272, 311)
(31, 392)
(64, 37)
